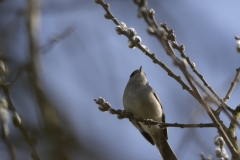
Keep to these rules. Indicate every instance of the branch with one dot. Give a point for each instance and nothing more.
(134, 41)
(17, 120)
(4, 120)
(154, 29)
(121, 114)
(53, 41)
(42, 50)
(233, 85)
(233, 126)
(48, 111)
(223, 106)
(226, 98)
(181, 49)
(148, 16)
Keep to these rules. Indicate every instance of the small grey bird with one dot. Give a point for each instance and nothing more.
(141, 100)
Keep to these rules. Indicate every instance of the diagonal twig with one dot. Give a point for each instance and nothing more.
(233, 85)
(53, 41)
(143, 48)
(181, 49)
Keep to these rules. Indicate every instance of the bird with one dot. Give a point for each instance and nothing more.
(140, 99)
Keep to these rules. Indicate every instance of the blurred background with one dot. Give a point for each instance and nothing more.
(79, 57)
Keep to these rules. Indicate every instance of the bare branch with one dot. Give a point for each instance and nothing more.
(181, 49)
(121, 114)
(233, 126)
(17, 120)
(121, 29)
(233, 85)
(56, 39)
(48, 111)
(4, 120)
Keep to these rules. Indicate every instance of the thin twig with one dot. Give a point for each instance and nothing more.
(121, 114)
(149, 18)
(143, 48)
(223, 106)
(53, 41)
(233, 85)
(42, 50)
(181, 49)
(154, 29)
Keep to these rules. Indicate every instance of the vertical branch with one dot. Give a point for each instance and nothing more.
(48, 112)
(233, 127)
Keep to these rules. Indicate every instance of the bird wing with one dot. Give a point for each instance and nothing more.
(165, 131)
(144, 133)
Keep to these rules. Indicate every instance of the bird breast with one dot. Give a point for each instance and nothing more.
(141, 102)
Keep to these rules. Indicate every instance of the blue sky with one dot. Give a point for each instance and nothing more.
(95, 61)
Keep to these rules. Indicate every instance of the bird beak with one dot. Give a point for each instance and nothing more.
(140, 69)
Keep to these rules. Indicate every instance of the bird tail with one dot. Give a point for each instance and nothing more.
(165, 149)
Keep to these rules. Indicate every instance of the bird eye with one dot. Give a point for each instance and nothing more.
(133, 73)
